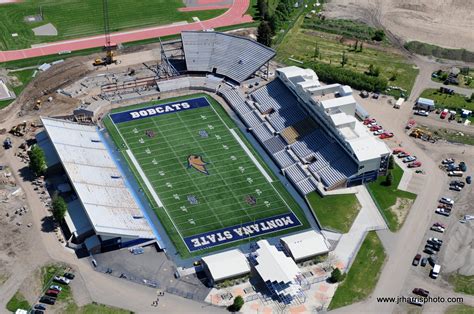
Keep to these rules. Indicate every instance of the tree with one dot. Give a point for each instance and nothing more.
(471, 99)
(273, 23)
(237, 305)
(262, 8)
(389, 179)
(317, 53)
(356, 44)
(264, 34)
(37, 161)
(379, 35)
(391, 162)
(344, 59)
(360, 47)
(59, 207)
(337, 275)
(373, 71)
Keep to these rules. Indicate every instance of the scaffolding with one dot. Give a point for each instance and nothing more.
(173, 62)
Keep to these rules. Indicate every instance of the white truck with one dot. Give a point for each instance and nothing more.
(435, 271)
(399, 103)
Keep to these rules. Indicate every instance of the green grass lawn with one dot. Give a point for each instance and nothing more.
(459, 309)
(24, 77)
(78, 18)
(463, 284)
(335, 211)
(386, 196)
(442, 100)
(18, 301)
(95, 308)
(363, 274)
(222, 194)
(300, 43)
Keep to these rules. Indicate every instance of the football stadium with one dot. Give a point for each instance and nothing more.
(215, 151)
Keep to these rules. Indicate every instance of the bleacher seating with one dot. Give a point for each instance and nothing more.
(232, 56)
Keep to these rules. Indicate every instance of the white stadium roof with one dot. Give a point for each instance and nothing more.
(227, 264)
(108, 203)
(306, 244)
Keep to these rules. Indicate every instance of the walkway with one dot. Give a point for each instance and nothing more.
(235, 15)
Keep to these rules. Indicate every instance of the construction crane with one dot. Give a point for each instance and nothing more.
(109, 47)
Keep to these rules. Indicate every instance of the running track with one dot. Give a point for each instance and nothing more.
(235, 15)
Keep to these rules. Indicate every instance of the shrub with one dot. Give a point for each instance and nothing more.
(337, 275)
(391, 162)
(59, 207)
(379, 35)
(237, 305)
(389, 179)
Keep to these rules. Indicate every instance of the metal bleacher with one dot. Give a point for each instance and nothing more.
(308, 157)
(232, 56)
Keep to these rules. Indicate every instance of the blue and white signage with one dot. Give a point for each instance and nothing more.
(240, 232)
(157, 110)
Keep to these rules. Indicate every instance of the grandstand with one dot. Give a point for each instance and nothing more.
(105, 201)
(234, 57)
(309, 150)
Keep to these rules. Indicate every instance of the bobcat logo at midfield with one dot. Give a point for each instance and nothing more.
(196, 162)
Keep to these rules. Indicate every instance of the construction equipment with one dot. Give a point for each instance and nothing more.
(38, 104)
(420, 133)
(109, 47)
(19, 129)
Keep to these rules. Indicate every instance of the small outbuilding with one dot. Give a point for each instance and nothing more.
(305, 245)
(425, 104)
(226, 265)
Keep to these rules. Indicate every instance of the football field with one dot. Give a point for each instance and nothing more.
(207, 186)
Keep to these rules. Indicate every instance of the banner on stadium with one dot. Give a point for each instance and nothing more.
(243, 231)
(156, 110)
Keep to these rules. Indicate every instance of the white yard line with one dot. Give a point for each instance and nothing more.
(249, 153)
(144, 177)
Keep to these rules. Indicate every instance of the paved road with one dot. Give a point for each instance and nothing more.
(235, 15)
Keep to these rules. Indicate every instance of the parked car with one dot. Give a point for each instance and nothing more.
(409, 159)
(47, 300)
(456, 188)
(437, 229)
(428, 250)
(446, 200)
(432, 248)
(375, 128)
(416, 301)
(433, 259)
(439, 224)
(378, 132)
(364, 94)
(468, 180)
(52, 293)
(369, 121)
(386, 135)
(422, 113)
(403, 155)
(69, 276)
(457, 182)
(416, 260)
(448, 161)
(444, 113)
(421, 292)
(398, 151)
(455, 174)
(435, 240)
(37, 312)
(61, 279)
(56, 287)
(415, 164)
(441, 205)
(443, 211)
(462, 166)
(41, 307)
(423, 262)
(375, 95)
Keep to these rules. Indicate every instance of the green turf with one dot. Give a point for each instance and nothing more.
(78, 18)
(221, 195)
(299, 44)
(335, 212)
(386, 196)
(23, 78)
(459, 309)
(456, 101)
(18, 301)
(463, 284)
(363, 274)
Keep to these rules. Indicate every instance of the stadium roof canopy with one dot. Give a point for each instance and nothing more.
(304, 245)
(227, 264)
(97, 181)
(273, 265)
(232, 56)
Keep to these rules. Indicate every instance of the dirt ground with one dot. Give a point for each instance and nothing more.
(447, 23)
